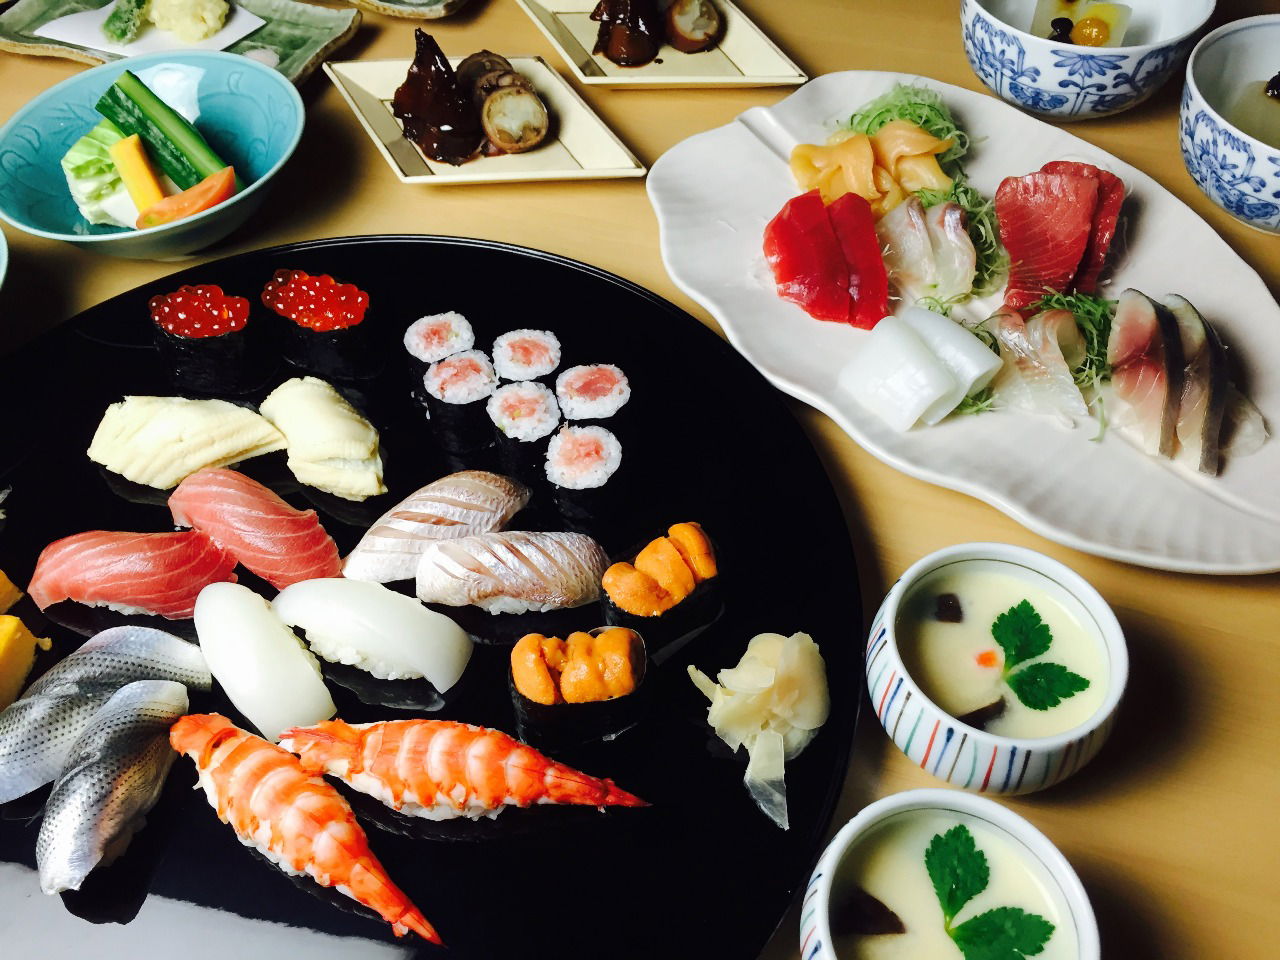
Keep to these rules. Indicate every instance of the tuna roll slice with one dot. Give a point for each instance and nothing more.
(1144, 352)
(1204, 387)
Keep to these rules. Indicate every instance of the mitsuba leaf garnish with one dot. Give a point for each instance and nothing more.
(1023, 636)
(959, 872)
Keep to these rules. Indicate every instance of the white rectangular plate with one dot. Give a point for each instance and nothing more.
(744, 57)
(1104, 497)
(583, 148)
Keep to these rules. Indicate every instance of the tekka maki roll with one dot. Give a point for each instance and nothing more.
(592, 392)
(578, 690)
(526, 354)
(440, 335)
(325, 334)
(523, 414)
(670, 590)
(456, 390)
(581, 460)
(204, 337)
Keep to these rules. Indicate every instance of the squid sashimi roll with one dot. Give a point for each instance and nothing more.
(526, 354)
(582, 458)
(592, 392)
(457, 388)
(440, 335)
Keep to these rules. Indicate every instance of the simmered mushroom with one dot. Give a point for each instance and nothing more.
(515, 119)
(630, 31)
(478, 64)
(693, 25)
(496, 80)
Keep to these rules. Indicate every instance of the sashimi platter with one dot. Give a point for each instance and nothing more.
(991, 304)
(455, 611)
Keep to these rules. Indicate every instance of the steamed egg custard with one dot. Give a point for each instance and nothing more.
(935, 885)
(1003, 648)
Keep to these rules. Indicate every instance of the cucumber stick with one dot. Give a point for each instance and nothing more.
(173, 143)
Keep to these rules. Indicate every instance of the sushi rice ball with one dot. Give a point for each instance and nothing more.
(461, 378)
(526, 354)
(592, 392)
(435, 337)
(582, 458)
(524, 411)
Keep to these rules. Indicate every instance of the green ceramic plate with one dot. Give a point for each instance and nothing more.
(295, 39)
(412, 9)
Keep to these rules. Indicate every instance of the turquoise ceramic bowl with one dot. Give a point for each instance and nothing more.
(4, 258)
(250, 114)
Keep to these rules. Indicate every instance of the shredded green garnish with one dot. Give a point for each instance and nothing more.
(980, 222)
(980, 402)
(921, 106)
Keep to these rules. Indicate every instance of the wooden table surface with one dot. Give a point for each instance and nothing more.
(1174, 827)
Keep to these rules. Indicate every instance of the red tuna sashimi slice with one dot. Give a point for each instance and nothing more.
(159, 573)
(1105, 216)
(855, 227)
(1144, 352)
(279, 543)
(804, 254)
(1045, 223)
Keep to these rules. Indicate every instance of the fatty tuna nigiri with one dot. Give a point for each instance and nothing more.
(440, 769)
(159, 573)
(279, 543)
(294, 818)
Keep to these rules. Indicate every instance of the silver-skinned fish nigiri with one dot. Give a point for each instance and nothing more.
(1144, 352)
(460, 505)
(512, 572)
(38, 729)
(112, 777)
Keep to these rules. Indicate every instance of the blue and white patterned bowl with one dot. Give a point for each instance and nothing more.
(1066, 82)
(1240, 173)
(965, 756)
(250, 114)
(1043, 857)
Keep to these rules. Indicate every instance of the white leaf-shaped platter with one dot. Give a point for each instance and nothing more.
(715, 192)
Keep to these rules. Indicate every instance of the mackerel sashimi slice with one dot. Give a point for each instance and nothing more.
(1046, 220)
(804, 253)
(160, 573)
(279, 543)
(1205, 387)
(1105, 216)
(1145, 355)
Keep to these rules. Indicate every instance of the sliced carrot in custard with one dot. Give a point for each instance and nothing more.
(636, 592)
(662, 561)
(695, 547)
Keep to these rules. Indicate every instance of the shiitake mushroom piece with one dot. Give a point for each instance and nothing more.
(693, 26)
(515, 119)
(478, 64)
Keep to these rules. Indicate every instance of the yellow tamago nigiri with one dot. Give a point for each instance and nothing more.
(9, 594)
(17, 654)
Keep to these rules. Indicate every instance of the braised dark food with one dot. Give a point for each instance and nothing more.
(436, 111)
(630, 31)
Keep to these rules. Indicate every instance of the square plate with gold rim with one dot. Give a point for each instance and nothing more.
(744, 57)
(582, 148)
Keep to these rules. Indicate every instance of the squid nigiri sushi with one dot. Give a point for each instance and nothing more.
(442, 769)
(295, 819)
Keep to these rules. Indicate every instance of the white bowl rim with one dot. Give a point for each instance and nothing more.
(129, 63)
(937, 798)
(1133, 50)
(1214, 36)
(1112, 635)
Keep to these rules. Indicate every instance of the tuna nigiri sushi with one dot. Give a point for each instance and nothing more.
(277, 542)
(1144, 351)
(441, 769)
(296, 820)
(512, 572)
(159, 573)
(459, 505)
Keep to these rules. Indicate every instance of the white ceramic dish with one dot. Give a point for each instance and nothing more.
(1045, 859)
(1239, 173)
(1102, 497)
(964, 756)
(744, 57)
(584, 148)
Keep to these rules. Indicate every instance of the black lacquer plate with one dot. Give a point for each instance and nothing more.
(700, 873)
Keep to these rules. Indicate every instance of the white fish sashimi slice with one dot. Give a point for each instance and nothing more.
(1244, 430)
(264, 669)
(954, 255)
(896, 376)
(38, 729)
(971, 363)
(1034, 375)
(113, 775)
(908, 250)
(372, 627)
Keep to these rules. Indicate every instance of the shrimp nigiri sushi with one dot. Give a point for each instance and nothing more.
(295, 819)
(442, 769)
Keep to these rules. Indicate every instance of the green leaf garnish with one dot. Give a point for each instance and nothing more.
(1021, 634)
(1093, 317)
(980, 402)
(919, 105)
(1041, 686)
(957, 868)
(980, 222)
(1005, 933)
